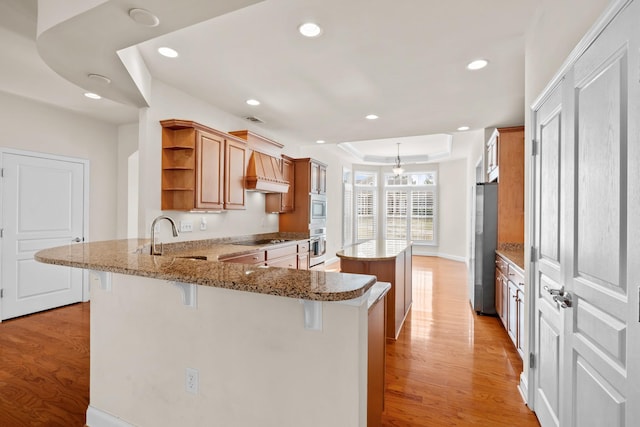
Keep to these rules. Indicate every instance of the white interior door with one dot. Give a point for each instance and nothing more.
(602, 277)
(587, 229)
(548, 318)
(42, 207)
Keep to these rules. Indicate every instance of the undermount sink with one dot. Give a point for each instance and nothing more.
(200, 257)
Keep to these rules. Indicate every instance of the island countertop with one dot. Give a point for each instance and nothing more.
(131, 257)
(372, 250)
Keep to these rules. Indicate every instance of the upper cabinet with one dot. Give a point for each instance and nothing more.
(283, 202)
(505, 163)
(492, 157)
(202, 168)
(310, 177)
(318, 177)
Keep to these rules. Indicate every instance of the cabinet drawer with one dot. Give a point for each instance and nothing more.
(285, 262)
(516, 276)
(502, 265)
(303, 247)
(282, 251)
(252, 258)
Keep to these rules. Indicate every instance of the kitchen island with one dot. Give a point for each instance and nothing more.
(268, 346)
(389, 261)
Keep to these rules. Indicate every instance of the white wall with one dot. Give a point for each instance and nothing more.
(127, 145)
(167, 103)
(452, 212)
(33, 126)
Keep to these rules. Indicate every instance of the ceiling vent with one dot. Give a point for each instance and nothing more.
(254, 119)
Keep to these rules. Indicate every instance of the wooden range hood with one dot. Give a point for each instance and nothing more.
(263, 171)
(263, 174)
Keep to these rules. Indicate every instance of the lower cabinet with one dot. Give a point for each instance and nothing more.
(510, 300)
(294, 255)
(376, 363)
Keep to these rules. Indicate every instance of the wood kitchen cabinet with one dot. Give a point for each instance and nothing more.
(283, 202)
(293, 254)
(376, 341)
(303, 255)
(389, 261)
(202, 168)
(510, 300)
(505, 164)
(318, 177)
(310, 177)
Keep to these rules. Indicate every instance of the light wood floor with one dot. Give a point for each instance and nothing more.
(44, 368)
(449, 367)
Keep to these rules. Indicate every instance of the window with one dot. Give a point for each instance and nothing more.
(410, 207)
(365, 184)
(407, 211)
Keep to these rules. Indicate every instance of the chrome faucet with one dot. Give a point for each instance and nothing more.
(154, 251)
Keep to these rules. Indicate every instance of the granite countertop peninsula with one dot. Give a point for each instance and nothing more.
(374, 250)
(131, 256)
(514, 252)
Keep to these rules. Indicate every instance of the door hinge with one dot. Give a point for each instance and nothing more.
(1, 172)
(1, 293)
(534, 255)
(534, 147)
(1, 233)
(532, 360)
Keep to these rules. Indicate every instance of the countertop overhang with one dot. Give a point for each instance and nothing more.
(129, 257)
(374, 250)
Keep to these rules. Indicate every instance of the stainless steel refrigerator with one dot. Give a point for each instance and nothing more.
(483, 268)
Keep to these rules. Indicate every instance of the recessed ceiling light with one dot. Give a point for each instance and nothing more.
(168, 52)
(477, 64)
(371, 117)
(98, 78)
(253, 102)
(144, 17)
(320, 141)
(309, 29)
(92, 95)
(463, 128)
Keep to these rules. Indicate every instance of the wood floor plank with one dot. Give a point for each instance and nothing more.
(44, 368)
(449, 366)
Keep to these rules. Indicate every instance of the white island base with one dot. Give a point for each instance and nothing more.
(257, 364)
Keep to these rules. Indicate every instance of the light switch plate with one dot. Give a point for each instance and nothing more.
(186, 226)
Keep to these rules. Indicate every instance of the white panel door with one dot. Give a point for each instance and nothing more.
(602, 273)
(548, 318)
(587, 229)
(42, 207)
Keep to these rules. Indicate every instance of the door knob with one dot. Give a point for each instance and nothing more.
(563, 299)
(554, 292)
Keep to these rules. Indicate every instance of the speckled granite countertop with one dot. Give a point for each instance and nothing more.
(374, 250)
(513, 252)
(132, 257)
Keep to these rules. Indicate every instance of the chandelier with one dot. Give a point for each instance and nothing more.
(397, 169)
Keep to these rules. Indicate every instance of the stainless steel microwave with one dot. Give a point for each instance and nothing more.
(318, 209)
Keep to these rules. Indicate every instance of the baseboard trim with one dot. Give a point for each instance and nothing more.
(523, 387)
(439, 255)
(99, 418)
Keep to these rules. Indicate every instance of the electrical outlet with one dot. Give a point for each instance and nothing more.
(191, 381)
(203, 223)
(186, 226)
